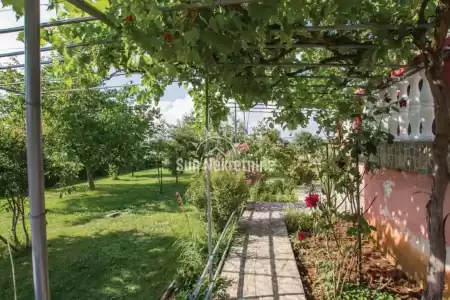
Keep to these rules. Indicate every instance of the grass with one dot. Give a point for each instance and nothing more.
(131, 256)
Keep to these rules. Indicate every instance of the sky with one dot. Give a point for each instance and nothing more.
(174, 104)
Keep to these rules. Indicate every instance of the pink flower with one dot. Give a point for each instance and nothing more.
(301, 235)
(242, 147)
(312, 200)
(249, 181)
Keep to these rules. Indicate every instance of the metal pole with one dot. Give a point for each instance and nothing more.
(208, 179)
(34, 150)
(49, 24)
(235, 122)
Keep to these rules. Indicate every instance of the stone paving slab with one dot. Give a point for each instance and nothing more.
(261, 263)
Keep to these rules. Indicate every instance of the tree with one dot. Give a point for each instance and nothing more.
(174, 154)
(13, 169)
(97, 128)
(14, 184)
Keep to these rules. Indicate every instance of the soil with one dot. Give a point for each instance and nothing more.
(377, 271)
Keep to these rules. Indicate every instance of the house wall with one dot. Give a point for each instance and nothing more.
(395, 201)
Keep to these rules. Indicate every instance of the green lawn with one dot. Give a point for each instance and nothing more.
(93, 257)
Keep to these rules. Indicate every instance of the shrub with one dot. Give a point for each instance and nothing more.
(276, 186)
(229, 192)
(273, 191)
(298, 220)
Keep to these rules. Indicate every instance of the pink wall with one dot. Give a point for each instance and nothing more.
(398, 211)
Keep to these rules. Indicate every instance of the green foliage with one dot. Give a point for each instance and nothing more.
(362, 292)
(273, 191)
(298, 220)
(229, 192)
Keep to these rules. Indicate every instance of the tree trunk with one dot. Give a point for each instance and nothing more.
(90, 178)
(435, 207)
(23, 222)
(176, 178)
(160, 178)
(14, 221)
(4, 240)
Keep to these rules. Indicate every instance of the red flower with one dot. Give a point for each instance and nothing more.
(403, 103)
(312, 200)
(398, 73)
(129, 18)
(168, 37)
(301, 236)
(249, 181)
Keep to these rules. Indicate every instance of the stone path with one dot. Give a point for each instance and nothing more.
(261, 262)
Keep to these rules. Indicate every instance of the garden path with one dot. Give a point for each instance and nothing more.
(261, 263)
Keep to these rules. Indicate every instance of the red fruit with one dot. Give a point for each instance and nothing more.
(168, 37)
(129, 18)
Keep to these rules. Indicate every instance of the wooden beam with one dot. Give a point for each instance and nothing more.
(89, 9)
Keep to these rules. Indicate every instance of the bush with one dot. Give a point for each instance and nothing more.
(273, 191)
(298, 220)
(229, 192)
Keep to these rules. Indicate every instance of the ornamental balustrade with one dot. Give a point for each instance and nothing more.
(414, 120)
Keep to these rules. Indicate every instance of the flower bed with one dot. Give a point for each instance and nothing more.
(380, 279)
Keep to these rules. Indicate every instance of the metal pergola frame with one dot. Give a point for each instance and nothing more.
(33, 110)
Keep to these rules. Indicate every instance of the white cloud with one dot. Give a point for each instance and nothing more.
(173, 111)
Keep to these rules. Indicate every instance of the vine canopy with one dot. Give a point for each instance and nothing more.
(255, 51)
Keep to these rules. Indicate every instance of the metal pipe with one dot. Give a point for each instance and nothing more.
(202, 5)
(208, 179)
(318, 45)
(345, 27)
(11, 90)
(219, 268)
(45, 49)
(34, 151)
(222, 259)
(211, 259)
(300, 64)
(18, 66)
(49, 24)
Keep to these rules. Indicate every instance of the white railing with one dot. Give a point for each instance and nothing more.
(415, 109)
